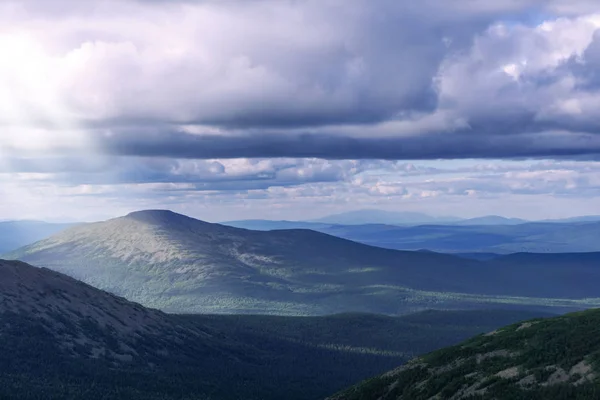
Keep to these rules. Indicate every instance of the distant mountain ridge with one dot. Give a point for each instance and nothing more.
(15, 234)
(176, 263)
(268, 225)
(492, 220)
(406, 218)
(400, 218)
(535, 237)
(360, 217)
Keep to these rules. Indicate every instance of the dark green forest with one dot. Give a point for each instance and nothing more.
(251, 357)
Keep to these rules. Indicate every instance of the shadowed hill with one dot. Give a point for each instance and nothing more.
(87, 322)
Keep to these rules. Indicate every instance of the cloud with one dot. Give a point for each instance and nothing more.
(300, 79)
(201, 175)
(259, 63)
(224, 189)
(337, 103)
(325, 145)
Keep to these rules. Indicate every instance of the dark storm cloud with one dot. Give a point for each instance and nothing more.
(260, 72)
(434, 146)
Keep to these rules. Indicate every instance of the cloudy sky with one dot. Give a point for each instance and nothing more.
(294, 109)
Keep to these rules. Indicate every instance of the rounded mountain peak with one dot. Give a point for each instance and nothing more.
(160, 217)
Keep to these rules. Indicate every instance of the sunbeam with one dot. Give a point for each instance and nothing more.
(37, 126)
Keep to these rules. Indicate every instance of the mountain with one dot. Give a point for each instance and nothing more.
(470, 236)
(63, 339)
(179, 264)
(491, 220)
(169, 261)
(583, 218)
(267, 225)
(360, 217)
(501, 239)
(406, 218)
(15, 234)
(553, 358)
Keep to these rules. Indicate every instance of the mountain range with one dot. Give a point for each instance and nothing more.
(535, 237)
(179, 264)
(360, 217)
(370, 217)
(63, 339)
(407, 218)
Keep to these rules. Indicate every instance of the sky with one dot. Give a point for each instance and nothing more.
(295, 109)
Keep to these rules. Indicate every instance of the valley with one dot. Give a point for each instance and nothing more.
(63, 339)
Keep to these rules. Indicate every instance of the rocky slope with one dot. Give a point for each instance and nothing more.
(556, 358)
(85, 322)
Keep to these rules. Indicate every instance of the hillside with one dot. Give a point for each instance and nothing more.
(62, 339)
(557, 358)
(176, 263)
